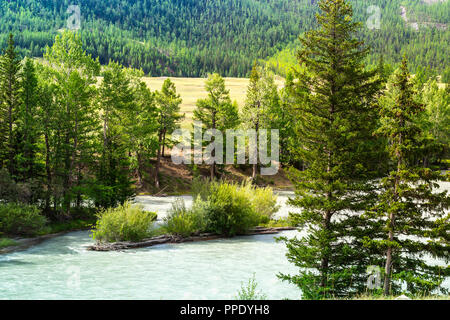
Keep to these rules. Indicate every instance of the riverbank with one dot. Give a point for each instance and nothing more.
(20, 243)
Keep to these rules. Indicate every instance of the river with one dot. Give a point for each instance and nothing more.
(62, 268)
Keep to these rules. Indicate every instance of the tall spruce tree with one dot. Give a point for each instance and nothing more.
(415, 226)
(335, 116)
(9, 105)
(28, 124)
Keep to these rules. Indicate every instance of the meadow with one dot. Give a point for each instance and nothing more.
(192, 89)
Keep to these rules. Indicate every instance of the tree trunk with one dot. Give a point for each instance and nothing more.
(139, 167)
(389, 252)
(48, 171)
(388, 266)
(158, 160)
(10, 140)
(255, 166)
(164, 143)
(213, 165)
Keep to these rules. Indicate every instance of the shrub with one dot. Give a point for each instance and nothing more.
(230, 210)
(201, 187)
(263, 200)
(21, 219)
(223, 208)
(248, 291)
(126, 222)
(184, 222)
(5, 242)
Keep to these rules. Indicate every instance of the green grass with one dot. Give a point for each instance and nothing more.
(6, 242)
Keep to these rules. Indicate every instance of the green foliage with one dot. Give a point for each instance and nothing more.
(332, 100)
(262, 98)
(177, 38)
(263, 201)
(280, 223)
(113, 185)
(6, 242)
(127, 222)
(216, 112)
(9, 105)
(424, 47)
(409, 209)
(249, 291)
(201, 187)
(171, 38)
(230, 210)
(72, 225)
(224, 208)
(185, 222)
(168, 119)
(20, 219)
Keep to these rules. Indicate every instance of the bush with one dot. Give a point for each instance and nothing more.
(263, 200)
(248, 291)
(183, 222)
(5, 242)
(201, 187)
(21, 219)
(230, 210)
(127, 222)
(223, 208)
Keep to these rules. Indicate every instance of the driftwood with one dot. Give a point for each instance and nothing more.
(164, 239)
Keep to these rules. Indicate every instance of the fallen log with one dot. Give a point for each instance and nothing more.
(172, 239)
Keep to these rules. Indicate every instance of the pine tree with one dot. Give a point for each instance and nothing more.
(262, 98)
(10, 102)
(28, 128)
(335, 116)
(415, 225)
(216, 112)
(115, 97)
(168, 119)
(71, 72)
(140, 123)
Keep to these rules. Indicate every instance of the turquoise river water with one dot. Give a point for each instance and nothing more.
(62, 268)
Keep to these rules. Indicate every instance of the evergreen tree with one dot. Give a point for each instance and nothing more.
(28, 124)
(262, 99)
(415, 225)
(72, 74)
(168, 119)
(115, 97)
(216, 112)
(140, 123)
(335, 119)
(10, 103)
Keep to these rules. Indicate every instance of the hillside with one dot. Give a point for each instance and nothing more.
(415, 28)
(191, 38)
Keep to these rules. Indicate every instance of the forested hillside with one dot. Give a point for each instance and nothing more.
(195, 37)
(416, 28)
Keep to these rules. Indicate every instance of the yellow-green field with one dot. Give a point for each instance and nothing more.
(192, 89)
